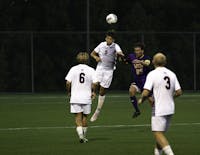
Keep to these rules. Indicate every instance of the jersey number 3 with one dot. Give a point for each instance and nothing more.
(168, 85)
(82, 77)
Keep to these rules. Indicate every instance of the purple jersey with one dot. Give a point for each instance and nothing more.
(138, 71)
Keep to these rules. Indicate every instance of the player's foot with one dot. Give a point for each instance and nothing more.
(94, 117)
(85, 140)
(81, 140)
(136, 114)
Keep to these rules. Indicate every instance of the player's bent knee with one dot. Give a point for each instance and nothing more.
(132, 90)
(102, 91)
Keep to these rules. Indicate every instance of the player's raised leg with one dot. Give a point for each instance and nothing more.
(132, 91)
(101, 100)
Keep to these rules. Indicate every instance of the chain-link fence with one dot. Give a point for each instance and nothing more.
(39, 61)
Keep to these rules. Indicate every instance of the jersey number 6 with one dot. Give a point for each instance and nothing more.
(82, 77)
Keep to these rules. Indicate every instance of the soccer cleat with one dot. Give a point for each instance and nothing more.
(136, 114)
(94, 117)
(85, 140)
(81, 140)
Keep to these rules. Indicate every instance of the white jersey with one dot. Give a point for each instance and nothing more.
(108, 55)
(81, 77)
(164, 83)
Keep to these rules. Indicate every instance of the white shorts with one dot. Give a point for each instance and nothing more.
(136, 87)
(104, 77)
(160, 123)
(77, 108)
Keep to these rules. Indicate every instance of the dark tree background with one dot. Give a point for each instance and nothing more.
(55, 30)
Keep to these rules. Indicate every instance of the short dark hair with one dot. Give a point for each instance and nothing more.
(111, 33)
(139, 44)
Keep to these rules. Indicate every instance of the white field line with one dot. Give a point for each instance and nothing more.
(97, 126)
(66, 97)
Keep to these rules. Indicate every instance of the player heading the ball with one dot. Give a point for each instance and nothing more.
(105, 55)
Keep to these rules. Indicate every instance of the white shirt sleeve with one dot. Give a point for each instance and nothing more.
(97, 49)
(149, 82)
(177, 84)
(117, 48)
(69, 76)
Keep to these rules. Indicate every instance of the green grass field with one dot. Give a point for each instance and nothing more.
(40, 124)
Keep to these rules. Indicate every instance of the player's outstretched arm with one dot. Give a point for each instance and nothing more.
(95, 56)
(145, 94)
(120, 54)
(124, 58)
(146, 62)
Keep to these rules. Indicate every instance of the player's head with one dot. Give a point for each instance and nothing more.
(82, 58)
(110, 37)
(159, 60)
(139, 49)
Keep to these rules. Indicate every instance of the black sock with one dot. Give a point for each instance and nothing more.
(134, 103)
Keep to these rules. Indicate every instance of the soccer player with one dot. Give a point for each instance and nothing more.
(165, 86)
(105, 55)
(80, 84)
(139, 70)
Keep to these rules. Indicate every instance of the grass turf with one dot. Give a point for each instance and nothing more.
(40, 124)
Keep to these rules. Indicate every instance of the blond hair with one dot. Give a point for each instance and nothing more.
(159, 59)
(82, 57)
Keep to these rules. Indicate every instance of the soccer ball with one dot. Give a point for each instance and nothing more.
(111, 18)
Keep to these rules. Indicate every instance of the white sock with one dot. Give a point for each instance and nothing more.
(79, 130)
(85, 131)
(100, 102)
(157, 151)
(168, 151)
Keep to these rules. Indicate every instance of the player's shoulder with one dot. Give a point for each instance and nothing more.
(153, 72)
(88, 68)
(170, 72)
(115, 44)
(103, 43)
(163, 70)
(74, 68)
(132, 55)
(146, 57)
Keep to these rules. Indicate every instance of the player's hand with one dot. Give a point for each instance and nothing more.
(93, 95)
(98, 59)
(140, 101)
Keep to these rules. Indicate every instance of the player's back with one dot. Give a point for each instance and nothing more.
(82, 78)
(164, 85)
